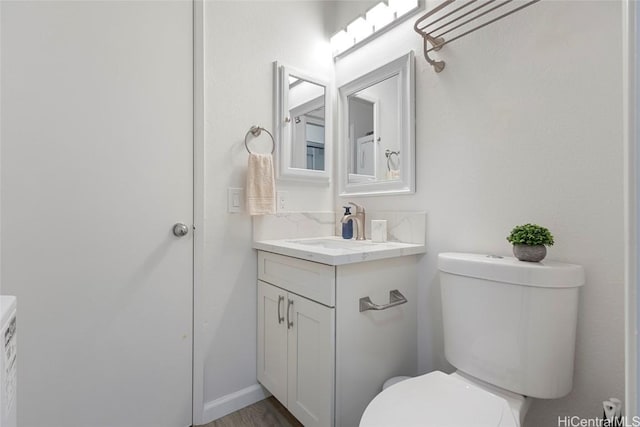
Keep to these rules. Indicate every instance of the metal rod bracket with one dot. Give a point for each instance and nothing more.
(460, 19)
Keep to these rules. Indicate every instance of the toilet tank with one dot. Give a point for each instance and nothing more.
(511, 323)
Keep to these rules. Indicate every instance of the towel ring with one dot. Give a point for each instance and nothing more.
(390, 153)
(256, 131)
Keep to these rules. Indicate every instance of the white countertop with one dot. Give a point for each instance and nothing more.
(334, 250)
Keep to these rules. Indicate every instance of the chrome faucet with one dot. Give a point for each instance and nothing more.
(358, 218)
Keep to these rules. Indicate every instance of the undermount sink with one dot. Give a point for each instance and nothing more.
(330, 243)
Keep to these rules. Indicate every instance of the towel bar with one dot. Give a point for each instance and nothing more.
(449, 21)
(395, 299)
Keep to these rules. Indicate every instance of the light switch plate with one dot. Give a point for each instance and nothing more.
(235, 200)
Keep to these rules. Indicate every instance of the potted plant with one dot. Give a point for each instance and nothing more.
(530, 241)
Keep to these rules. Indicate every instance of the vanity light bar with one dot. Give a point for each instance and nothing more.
(379, 18)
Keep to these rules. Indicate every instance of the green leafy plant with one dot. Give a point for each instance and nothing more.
(530, 234)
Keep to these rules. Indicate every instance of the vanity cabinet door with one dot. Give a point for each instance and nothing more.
(311, 361)
(272, 340)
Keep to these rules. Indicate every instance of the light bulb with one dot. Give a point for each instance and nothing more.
(379, 16)
(340, 42)
(401, 7)
(359, 29)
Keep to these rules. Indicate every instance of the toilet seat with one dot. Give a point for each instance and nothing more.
(439, 400)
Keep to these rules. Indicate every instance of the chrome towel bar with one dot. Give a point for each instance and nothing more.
(395, 299)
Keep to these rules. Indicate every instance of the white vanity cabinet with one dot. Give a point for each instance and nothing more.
(296, 335)
(318, 354)
(295, 353)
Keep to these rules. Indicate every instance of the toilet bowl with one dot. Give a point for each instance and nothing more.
(441, 400)
(509, 329)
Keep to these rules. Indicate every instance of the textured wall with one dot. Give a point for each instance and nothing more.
(524, 125)
(242, 39)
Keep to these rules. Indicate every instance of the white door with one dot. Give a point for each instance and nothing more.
(310, 361)
(97, 159)
(272, 340)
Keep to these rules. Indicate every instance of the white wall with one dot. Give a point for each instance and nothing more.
(242, 39)
(523, 125)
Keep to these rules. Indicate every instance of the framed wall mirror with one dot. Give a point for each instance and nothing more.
(377, 131)
(302, 127)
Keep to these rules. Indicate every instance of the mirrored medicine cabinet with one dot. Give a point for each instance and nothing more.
(377, 131)
(302, 127)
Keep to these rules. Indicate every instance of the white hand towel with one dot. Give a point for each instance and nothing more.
(261, 187)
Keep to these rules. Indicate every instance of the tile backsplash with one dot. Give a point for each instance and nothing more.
(407, 227)
(402, 226)
(293, 225)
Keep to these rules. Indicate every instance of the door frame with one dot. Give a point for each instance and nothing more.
(630, 99)
(198, 212)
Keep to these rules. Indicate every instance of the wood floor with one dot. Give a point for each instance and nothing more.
(266, 413)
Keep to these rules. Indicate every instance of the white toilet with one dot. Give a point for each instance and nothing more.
(509, 329)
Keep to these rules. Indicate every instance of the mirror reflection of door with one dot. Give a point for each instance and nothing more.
(307, 115)
(361, 132)
(373, 129)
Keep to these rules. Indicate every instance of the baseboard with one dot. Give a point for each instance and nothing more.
(224, 405)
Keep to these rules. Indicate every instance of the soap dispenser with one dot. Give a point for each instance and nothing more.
(347, 227)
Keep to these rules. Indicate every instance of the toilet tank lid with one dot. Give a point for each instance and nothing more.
(546, 274)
